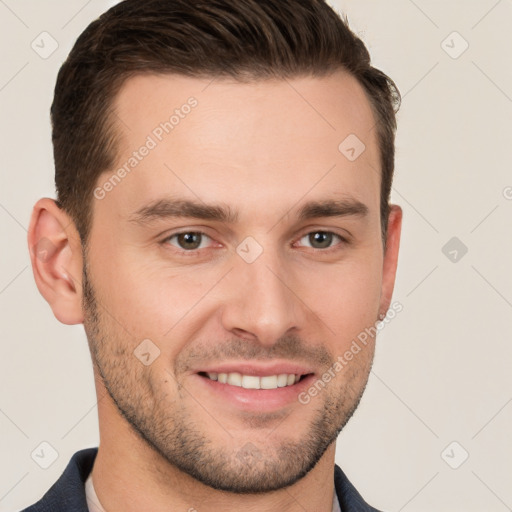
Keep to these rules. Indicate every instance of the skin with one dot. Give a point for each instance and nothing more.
(166, 434)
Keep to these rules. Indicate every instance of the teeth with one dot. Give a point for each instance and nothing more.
(235, 379)
(269, 382)
(282, 380)
(250, 382)
(253, 382)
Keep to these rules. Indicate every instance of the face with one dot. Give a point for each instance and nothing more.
(230, 266)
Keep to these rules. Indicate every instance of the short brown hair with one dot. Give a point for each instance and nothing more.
(242, 39)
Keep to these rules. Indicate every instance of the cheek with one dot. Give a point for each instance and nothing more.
(349, 299)
(152, 300)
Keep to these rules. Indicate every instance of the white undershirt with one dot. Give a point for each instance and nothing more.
(94, 505)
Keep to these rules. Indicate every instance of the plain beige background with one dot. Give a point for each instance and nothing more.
(441, 386)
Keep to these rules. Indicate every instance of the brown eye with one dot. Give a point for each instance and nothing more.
(321, 239)
(188, 240)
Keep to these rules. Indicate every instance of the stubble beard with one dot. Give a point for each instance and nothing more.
(167, 427)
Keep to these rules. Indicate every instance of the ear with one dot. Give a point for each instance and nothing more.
(56, 257)
(390, 257)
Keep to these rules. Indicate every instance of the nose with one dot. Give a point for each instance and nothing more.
(260, 303)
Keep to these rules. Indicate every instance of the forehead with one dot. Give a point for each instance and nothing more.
(218, 139)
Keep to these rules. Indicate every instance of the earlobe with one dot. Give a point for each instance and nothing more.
(391, 257)
(56, 257)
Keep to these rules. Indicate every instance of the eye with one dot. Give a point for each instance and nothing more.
(188, 240)
(193, 241)
(322, 239)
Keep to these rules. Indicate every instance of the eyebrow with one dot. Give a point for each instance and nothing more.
(185, 208)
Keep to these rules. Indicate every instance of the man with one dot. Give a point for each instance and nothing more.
(224, 233)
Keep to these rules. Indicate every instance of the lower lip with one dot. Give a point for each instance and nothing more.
(256, 400)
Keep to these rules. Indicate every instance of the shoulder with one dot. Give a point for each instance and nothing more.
(68, 492)
(348, 496)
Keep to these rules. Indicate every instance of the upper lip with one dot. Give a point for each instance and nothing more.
(257, 369)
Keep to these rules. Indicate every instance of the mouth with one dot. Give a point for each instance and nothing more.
(267, 382)
(254, 386)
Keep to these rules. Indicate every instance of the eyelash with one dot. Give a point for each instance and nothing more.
(195, 252)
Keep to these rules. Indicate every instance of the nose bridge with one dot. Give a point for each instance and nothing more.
(261, 304)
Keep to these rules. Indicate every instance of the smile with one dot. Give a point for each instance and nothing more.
(253, 381)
